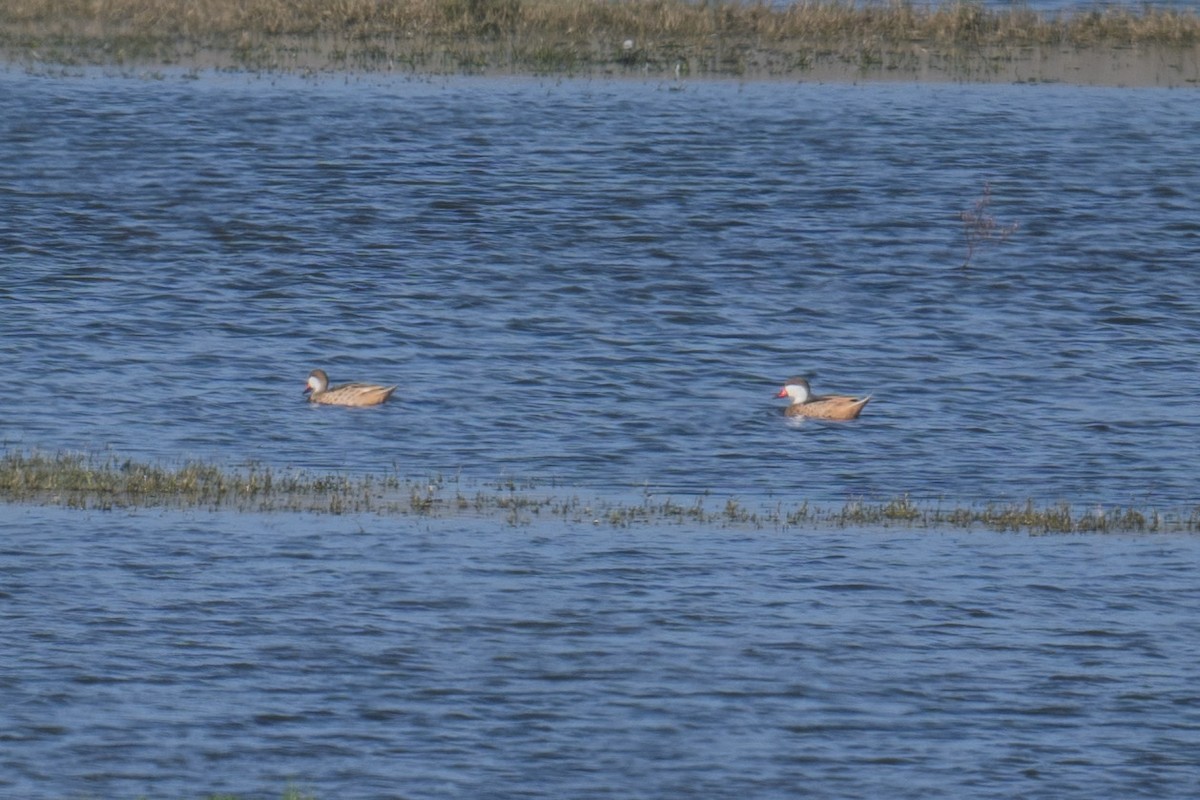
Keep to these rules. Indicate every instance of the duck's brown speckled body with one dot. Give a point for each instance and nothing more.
(349, 394)
(828, 406)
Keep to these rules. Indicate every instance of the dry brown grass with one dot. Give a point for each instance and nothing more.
(957, 22)
(557, 35)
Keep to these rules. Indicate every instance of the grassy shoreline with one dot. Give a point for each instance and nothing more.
(655, 38)
(95, 483)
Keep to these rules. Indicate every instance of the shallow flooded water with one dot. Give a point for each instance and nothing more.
(600, 286)
(168, 654)
(603, 284)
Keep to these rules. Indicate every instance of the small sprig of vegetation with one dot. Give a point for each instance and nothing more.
(108, 483)
(291, 793)
(980, 227)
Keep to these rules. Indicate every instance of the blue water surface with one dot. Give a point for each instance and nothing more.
(604, 283)
(176, 654)
(597, 287)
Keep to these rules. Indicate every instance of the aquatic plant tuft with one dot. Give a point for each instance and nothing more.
(980, 227)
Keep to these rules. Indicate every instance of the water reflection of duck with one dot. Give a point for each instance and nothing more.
(349, 394)
(828, 406)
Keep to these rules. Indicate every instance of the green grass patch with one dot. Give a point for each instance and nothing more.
(108, 483)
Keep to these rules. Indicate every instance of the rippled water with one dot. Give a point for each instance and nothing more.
(600, 284)
(373, 658)
(604, 283)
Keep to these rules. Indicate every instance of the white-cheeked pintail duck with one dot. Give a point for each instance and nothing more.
(348, 394)
(826, 406)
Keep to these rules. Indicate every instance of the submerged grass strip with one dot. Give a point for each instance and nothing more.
(88, 482)
(291, 793)
(720, 37)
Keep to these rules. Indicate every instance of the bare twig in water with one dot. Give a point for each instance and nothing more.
(979, 226)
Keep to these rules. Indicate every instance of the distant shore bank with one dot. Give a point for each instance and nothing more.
(666, 39)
